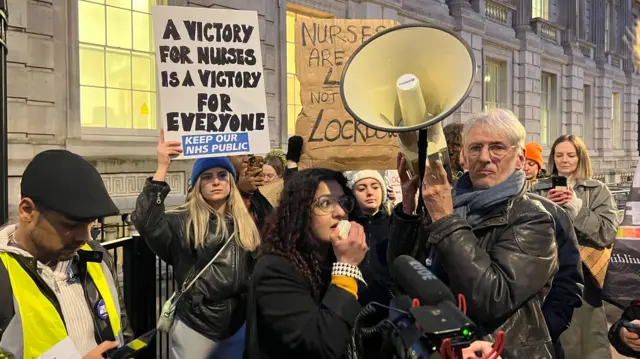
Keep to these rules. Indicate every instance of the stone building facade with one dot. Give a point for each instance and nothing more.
(560, 65)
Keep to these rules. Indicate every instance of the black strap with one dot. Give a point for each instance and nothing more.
(6, 298)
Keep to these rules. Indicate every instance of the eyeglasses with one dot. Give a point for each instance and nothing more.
(328, 203)
(496, 150)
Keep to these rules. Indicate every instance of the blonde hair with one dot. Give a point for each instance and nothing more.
(199, 212)
(584, 170)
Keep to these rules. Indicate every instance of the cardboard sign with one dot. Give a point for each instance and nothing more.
(332, 139)
(210, 80)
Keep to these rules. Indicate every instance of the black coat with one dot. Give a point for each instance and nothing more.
(284, 320)
(374, 267)
(216, 304)
(504, 267)
(632, 312)
(566, 290)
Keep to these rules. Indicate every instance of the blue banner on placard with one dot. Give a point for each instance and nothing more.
(212, 144)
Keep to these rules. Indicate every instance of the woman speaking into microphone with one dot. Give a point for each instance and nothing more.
(303, 301)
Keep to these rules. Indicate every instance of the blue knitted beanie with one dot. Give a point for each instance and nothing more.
(203, 164)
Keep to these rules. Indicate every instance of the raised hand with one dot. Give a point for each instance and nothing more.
(436, 192)
(166, 150)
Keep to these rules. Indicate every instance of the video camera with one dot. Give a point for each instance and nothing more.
(425, 321)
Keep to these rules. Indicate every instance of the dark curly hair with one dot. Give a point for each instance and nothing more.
(287, 231)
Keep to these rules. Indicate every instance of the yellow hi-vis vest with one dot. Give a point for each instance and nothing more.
(42, 327)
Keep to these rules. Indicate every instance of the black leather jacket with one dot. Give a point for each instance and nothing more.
(216, 305)
(503, 266)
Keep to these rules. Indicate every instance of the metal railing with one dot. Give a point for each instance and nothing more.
(145, 280)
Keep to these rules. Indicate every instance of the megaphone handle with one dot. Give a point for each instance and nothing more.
(422, 163)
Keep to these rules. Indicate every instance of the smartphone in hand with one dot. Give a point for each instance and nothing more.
(256, 161)
(559, 182)
(632, 327)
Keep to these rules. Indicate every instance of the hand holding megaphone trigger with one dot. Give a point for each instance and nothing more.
(436, 192)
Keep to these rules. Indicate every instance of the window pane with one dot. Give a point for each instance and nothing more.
(141, 32)
(291, 27)
(291, 89)
(143, 72)
(120, 3)
(291, 119)
(291, 58)
(118, 108)
(143, 5)
(92, 110)
(118, 28)
(91, 26)
(91, 66)
(118, 69)
(144, 110)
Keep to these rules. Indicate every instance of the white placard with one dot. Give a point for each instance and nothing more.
(211, 81)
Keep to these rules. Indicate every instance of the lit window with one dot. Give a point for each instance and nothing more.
(548, 113)
(495, 84)
(117, 64)
(294, 105)
(616, 120)
(540, 8)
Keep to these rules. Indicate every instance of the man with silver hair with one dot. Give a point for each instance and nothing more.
(486, 238)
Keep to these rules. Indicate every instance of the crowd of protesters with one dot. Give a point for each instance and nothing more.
(263, 271)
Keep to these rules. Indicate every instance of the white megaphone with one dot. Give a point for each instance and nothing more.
(406, 79)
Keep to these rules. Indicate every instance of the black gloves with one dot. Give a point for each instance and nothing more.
(294, 150)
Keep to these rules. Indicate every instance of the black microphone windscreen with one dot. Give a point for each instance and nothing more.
(418, 282)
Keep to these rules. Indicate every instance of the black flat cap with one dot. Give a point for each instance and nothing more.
(64, 182)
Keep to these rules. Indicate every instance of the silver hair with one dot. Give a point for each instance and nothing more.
(502, 122)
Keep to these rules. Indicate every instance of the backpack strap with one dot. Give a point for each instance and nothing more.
(6, 298)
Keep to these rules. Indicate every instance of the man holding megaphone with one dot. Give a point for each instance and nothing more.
(489, 240)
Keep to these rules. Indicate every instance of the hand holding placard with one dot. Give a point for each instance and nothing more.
(167, 150)
(211, 83)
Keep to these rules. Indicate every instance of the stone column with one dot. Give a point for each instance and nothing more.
(570, 23)
(522, 16)
(626, 21)
(598, 14)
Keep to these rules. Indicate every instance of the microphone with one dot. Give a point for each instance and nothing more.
(418, 282)
(437, 316)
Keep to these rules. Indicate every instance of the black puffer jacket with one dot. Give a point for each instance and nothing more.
(216, 305)
(503, 266)
(374, 267)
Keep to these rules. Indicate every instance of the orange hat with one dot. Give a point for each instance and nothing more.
(534, 153)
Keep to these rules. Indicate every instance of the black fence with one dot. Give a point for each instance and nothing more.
(145, 280)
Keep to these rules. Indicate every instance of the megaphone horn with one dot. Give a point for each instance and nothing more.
(406, 79)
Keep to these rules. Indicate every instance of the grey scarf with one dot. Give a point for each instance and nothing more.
(473, 205)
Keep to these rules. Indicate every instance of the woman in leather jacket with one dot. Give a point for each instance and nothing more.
(209, 319)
